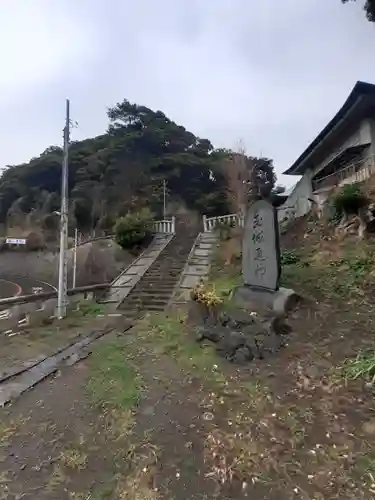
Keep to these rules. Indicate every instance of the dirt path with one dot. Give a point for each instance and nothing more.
(82, 435)
(151, 415)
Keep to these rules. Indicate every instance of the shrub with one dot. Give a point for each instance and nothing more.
(349, 200)
(34, 241)
(205, 295)
(134, 228)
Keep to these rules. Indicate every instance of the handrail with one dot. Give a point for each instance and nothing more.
(34, 297)
(209, 223)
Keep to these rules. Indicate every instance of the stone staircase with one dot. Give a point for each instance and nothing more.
(155, 289)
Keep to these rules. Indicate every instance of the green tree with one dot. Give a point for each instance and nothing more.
(369, 8)
(120, 171)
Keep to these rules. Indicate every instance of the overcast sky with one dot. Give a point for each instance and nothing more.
(270, 73)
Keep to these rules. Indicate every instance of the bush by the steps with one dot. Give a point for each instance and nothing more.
(134, 228)
(349, 200)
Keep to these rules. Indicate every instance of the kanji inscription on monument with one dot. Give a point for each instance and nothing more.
(260, 249)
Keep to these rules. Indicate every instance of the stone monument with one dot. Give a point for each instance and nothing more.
(260, 248)
(261, 268)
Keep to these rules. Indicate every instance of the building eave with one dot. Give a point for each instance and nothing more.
(356, 97)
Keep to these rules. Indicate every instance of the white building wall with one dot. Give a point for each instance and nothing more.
(363, 134)
(297, 204)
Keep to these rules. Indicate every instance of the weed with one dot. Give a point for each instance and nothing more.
(7, 431)
(10, 429)
(289, 257)
(56, 479)
(79, 496)
(73, 458)
(89, 308)
(363, 366)
(224, 284)
(206, 294)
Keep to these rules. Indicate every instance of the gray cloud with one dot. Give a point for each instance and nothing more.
(271, 73)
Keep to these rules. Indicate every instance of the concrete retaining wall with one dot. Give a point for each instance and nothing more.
(17, 313)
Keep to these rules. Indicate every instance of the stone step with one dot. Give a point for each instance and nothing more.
(133, 312)
(158, 277)
(152, 293)
(156, 282)
(146, 301)
(167, 270)
(154, 290)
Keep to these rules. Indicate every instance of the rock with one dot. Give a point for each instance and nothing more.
(211, 333)
(199, 333)
(236, 319)
(230, 342)
(252, 346)
(223, 318)
(280, 327)
(268, 343)
(242, 336)
(242, 356)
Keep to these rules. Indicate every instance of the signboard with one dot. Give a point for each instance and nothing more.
(15, 241)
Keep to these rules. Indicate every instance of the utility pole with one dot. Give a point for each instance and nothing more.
(164, 199)
(75, 257)
(63, 275)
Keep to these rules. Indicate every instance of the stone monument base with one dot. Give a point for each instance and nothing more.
(280, 301)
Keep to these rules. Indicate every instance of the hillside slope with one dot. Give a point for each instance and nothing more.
(120, 170)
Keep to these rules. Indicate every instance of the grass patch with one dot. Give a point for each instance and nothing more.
(363, 366)
(8, 430)
(344, 271)
(90, 309)
(113, 382)
(225, 284)
(168, 334)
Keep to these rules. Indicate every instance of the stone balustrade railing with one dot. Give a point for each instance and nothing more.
(24, 311)
(167, 226)
(209, 223)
